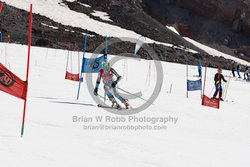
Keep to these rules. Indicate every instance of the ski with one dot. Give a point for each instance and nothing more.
(226, 101)
(229, 101)
(195, 76)
(102, 106)
(121, 108)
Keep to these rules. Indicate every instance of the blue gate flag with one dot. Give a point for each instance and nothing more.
(194, 85)
(93, 65)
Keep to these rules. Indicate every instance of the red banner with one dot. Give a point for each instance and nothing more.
(72, 77)
(1, 7)
(206, 101)
(11, 84)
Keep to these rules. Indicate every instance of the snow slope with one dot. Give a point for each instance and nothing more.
(210, 50)
(202, 137)
(216, 52)
(58, 12)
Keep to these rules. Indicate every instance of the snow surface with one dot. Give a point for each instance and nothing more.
(173, 29)
(202, 136)
(59, 12)
(71, 0)
(83, 4)
(216, 52)
(103, 15)
(210, 50)
(49, 26)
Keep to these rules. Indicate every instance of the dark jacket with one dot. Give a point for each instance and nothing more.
(238, 68)
(218, 77)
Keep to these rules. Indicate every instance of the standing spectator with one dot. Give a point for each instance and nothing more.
(233, 69)
(200, 69)
(246, 74)
(218, 87)
(238, 70)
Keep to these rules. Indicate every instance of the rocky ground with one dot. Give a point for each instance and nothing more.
(129, 14)
(222, 24)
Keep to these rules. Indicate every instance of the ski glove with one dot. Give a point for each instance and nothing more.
(114, 84)
(118, 79)
(96, 91)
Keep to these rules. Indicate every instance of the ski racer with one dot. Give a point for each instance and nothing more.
(106, 74)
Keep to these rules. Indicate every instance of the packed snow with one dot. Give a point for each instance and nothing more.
(193, 135)
(196, 136)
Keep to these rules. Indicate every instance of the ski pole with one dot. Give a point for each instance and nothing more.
(224, 86)
(170, 90)
(227, 86)
(101, 96)
(211, 91)
(105, 94)
(135, 95)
